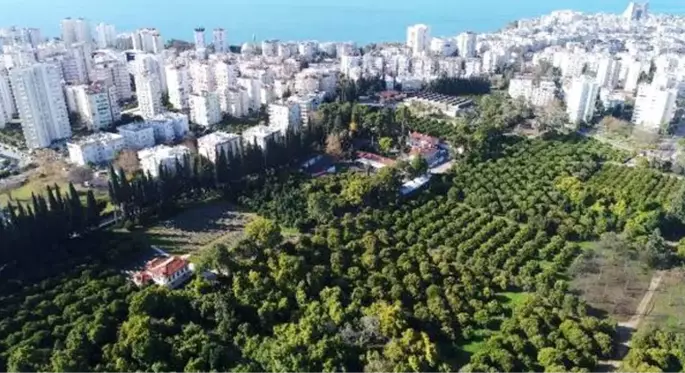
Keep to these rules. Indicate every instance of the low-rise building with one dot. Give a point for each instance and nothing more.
(169, 126)
(171, 271)
(162, 156)
(261, 135)
(424, 146)
(95, 149)
(138, 135)
(448, 105)
(213, 144)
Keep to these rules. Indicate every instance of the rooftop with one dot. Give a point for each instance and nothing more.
(135, 126)
(445, 99)
(164, 151)
(218, 137)
(97, 138)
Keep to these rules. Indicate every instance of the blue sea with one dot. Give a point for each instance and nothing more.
(362, 21)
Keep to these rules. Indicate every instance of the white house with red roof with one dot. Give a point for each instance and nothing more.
(424, 146)
(169, 271)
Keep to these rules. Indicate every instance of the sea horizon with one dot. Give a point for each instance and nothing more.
(355, 20)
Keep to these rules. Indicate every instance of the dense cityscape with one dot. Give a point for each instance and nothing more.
(505, 201)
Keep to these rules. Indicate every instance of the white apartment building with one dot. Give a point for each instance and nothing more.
(285, 116)
(633, 77)
(7, 102)
(418, 38)
(111, 68)
(77, 63)
(152, 64)
(169, 126)
(178, 82)
(226, 75)
(261, 135)
(581, 100)
(466, 44)
(654, 107)
(162, 156)
(443, 46)
(608, 72)
(96, 104)
(205, 108)
(544, 94)
(308, 105)
(75, 30)
(219, 40)
(235, 102)
(105, 35)
(270, 48)
(209, 146)
(95, 149)
(149, 95)
(199, 36)
(521, 87)
(138, 135)
(148, 40)
(202, 76)
(40, 101)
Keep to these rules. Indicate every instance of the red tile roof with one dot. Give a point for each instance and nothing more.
(166, 266)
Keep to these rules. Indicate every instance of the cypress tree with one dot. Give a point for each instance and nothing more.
(92, 219)
(75, 210)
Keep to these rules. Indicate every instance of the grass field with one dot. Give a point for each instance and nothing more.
(38, 186)
(211, 223)
(668, 305)
(610, 281)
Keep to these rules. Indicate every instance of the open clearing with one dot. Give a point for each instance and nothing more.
(609, 281)
(211, 223)
(668, 305)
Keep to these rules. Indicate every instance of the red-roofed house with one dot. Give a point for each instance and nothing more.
(424, 146)
(169, 271)
(374, 160)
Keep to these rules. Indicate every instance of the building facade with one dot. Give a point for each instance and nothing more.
(205, 109)
(581, 100)
(213, 144)
(162, 156)
(41, 104)
(95, 149)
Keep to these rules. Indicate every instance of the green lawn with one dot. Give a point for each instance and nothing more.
(669, 302)
(38, 187)
(195, 228)
(515, 299)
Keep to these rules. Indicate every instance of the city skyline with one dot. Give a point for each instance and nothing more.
(443, 21)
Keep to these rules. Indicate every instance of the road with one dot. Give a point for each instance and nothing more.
(626, 329)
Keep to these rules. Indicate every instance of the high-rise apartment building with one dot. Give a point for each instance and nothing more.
(654, 107)
(581, 100)
(105, 35)
(219, 40)
(149, 94)
(40, 101)
(466, 44)
(418, 38)
(76, 30)
(96, 104)
(178, 83)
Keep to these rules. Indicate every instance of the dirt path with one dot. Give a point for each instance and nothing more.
(626, 329)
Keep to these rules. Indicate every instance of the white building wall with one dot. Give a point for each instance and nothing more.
(178, 81)
(205, 109)
(41, 104)
(581, 100)
(149, 95)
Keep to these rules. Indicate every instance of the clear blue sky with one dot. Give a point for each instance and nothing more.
(359, 20)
